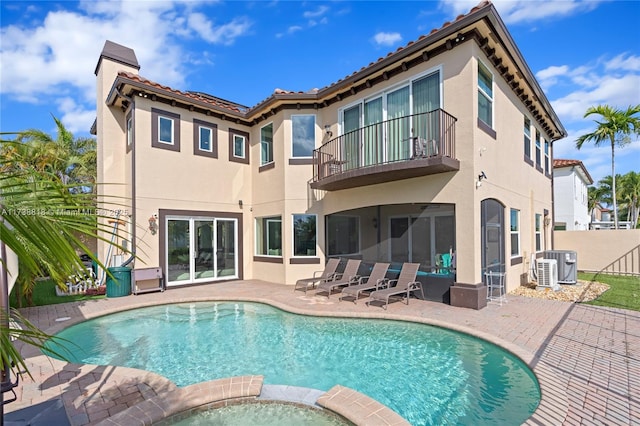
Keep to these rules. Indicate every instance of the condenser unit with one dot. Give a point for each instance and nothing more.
(567, 265)
(548, 274)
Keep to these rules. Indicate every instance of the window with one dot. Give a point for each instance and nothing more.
(515, 232)
(266, 144)
(303, 129)
(238, 146)
(538, 152)
(343, 235)
(205, 139)
(129, 130)
(304, 235)
(485, 95)
(269, 236)
(165, 130)
(546, 157)
(527, 138)
(538, 226)
(367, 141)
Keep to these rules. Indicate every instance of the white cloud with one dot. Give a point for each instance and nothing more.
(549, 76)
(49, 59)
(517, 11)
(75, 117)
(387, 39)
(611, 90)
(224, 34)
(624, 61)
(312, 14)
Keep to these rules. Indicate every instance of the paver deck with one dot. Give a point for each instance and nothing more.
(586, 358)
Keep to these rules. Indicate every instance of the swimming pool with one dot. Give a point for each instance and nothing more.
(427, 374)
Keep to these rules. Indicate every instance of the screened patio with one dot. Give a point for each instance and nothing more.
(419, 233)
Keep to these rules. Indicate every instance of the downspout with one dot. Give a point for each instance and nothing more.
(133, 178)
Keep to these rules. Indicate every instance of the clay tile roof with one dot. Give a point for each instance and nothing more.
(560, 163)
(197, 96)
(433, 31)
(566, 163)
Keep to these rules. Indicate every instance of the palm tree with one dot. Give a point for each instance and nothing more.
(72, 160)
(630, 196)
(616, 127)
(41, 220)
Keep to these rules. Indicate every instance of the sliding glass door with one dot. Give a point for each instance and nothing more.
(405, 111)
(200, 249)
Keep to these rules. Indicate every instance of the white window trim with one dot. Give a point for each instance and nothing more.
(173, 137)
(517, 232)
(530, 138)
(293, 235)
(546, 149)
(315, 133)
(265, 220)
(491, 98)
(244, 143)
(272, 143)
(390, 89)
(130, 130)
(538, 154)
(210, 138)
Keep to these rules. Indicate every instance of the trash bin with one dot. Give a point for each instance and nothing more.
(120, 284)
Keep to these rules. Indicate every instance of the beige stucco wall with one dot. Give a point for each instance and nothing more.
(114, 164)
(618, 250)
(183, 181)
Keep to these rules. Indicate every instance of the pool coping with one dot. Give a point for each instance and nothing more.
(553, 405)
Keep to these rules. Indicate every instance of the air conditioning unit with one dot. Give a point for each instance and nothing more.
(567, 265)
(548, 274)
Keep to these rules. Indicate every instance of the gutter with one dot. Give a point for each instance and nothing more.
(132, 106)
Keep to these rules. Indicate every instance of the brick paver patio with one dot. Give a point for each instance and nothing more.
(586, 358)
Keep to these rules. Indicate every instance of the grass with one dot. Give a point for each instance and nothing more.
(624, 292)
(44, 293)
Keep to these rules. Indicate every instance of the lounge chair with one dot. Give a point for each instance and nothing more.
(375, 281)
(348, 277)
(327, 274)
(405, 284)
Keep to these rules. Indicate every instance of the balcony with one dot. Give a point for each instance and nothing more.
(400, 148)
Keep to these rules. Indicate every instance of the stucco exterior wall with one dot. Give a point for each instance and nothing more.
(612, 250)
(570, 200)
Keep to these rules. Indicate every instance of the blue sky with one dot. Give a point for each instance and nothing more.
(583, 53)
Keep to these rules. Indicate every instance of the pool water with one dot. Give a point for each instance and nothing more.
(429, 375)
(263, 414)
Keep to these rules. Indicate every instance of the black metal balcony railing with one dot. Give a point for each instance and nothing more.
(418, 136)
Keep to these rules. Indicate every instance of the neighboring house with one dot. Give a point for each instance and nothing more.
(602, 218)
(570, 195)
(443, 146)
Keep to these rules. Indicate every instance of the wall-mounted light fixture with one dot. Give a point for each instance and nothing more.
(240, 203)
(327, 130)
(481, 177)
(374, 222)
(459, 38)
(153, 224)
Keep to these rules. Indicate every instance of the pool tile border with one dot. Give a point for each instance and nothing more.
(564, 344)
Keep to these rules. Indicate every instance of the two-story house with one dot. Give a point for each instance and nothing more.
(571, 196)
(441, 147)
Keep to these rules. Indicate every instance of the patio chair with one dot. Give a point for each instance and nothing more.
(375, 281)
(405, 284)
(348, 277)
(327, 274)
